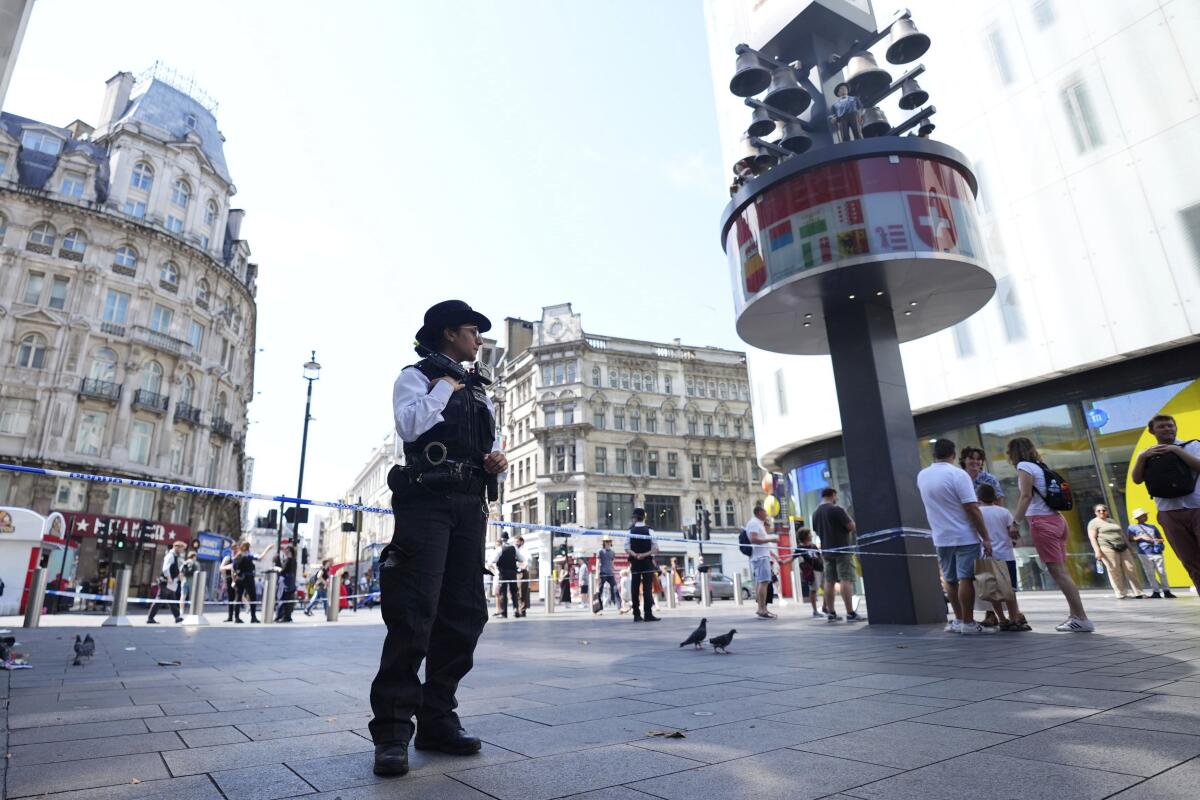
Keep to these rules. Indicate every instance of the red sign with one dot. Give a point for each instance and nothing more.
(131, 530)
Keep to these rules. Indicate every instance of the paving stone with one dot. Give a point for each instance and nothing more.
(886, 681)
(571, 773)
(432, 787)
(264, 782)
(54, 752)
(192, 787)
(1180, 724)
(221, 718)
(777, 775)
(203, 737)
(85, 774)
(1180, 688)
(354, 769)
(1111, 748)
(699, 694)
(584, 694)
(581, 712)
(905, 745)
(487, 725)
(1174, 784)
(613, 793)
(85, 730)
(272, 751)
(916, 700)
(549, 740)
(63, 717)
(279, 729)
(733, 740)
(994, 775)
(850, 715)
(717, 712)
(1074, 696)
(966, 689)
(680, 681)
(1004, 716)
(822, 694)
(499, 705)
(188, 707)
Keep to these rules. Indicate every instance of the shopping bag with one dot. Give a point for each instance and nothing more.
(597, 605)
(991, 580)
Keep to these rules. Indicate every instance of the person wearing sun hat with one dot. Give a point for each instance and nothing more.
(1149, 543)
(431, 574)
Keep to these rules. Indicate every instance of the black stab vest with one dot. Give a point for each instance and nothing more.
(467, 429)
(639, 544)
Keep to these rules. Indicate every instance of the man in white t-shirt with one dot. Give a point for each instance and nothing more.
(760, 559)
(958, 532)
(1179, 516)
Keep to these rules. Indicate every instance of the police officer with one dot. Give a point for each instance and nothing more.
(431, 575)
(641, 549)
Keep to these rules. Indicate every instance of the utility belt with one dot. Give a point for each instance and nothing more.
(447, 476)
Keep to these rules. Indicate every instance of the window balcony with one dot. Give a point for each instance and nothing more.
(100, 390)
(121, 269)
(150, 401)
(42, 249)
(161, 341)
(187, 413)
(222, 427)
(112, 328)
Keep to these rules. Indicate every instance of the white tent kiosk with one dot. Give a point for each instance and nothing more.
(21, 548)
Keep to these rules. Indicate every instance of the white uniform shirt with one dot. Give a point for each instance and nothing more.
(416, 407)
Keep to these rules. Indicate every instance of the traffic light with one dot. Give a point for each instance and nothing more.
(707, 524)
(272, 518)
(562, 550)
(292, 517)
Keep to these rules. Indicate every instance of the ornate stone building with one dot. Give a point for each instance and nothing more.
(598, 425)
(127, 318)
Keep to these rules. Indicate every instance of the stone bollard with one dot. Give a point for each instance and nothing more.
(270, 593)
(549, 593)
(669, 587)
(196, 601)
(118, 616)
(705, 590)
(335, 597)
(36, 598)
(797, 581)
(737, 589)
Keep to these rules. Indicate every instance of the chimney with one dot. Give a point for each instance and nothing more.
(116, 98)
(234, 225)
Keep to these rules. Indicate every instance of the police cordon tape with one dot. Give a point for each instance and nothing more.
(108, 598)
(868, 538)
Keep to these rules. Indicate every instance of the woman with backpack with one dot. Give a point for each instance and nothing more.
(1041, 491)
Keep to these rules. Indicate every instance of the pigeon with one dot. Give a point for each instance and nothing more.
(84, 648)
(697, 636)
(719, 643)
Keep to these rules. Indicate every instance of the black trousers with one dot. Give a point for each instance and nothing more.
(524, 587)
(246, 591)
(431, 587)
(287, 603)
(646, 580)
(507, 589)
(615, 591)
(165, 594)
(230, 594)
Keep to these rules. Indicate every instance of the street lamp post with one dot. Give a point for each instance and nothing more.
(312, 371)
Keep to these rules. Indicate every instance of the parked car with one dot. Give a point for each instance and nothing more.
(720, 585)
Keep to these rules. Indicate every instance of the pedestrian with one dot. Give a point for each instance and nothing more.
(168, 583)
(522, 573)
(607, 574)
(585, 582)
(1002, 531)
(1047, 528)
(1171, 471)
(229, 579)
(245, 567)
(831, 522)
(810, 565)
(1110, 544)
(429, 575)
(186, 571)
(641, 549)
(760, 559)
(287, 584)
(505, 562)
(676, 580)
(958, 530)
(1149, 543)
(972, 460)
(626, 589)
(320, 588)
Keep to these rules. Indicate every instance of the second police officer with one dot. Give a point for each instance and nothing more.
(431, 575)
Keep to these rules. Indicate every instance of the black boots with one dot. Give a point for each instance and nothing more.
(391, 759)
(454, 741)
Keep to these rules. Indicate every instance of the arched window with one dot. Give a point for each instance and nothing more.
(43, 234)
(104, 366)
(32, 352)
(202, 292)
(730, 513)
(637, 381)
(75, 242)
(221, 405)
(723, 390)
(181, 193)
(168, 273)
(152, 375)
(142, 177)
(188, 391)
(126, 256)
(210, 212)
(595, 370)
(648, 382)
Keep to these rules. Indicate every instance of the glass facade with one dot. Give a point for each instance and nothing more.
(1090, 442)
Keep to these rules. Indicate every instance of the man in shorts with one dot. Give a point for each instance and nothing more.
(760, 559)
(959, 532)
(831, 522)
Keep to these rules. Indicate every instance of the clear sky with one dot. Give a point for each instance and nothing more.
(389, 155)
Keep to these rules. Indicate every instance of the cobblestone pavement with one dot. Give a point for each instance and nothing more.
(801, 709)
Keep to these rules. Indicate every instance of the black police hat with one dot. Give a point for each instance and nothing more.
(450, 314)
(639, 513)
